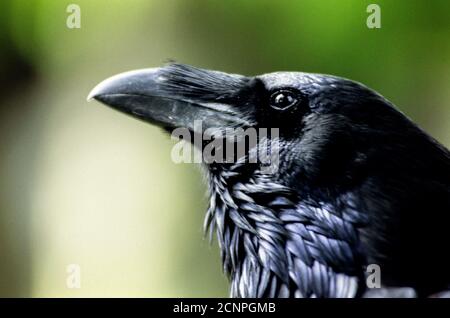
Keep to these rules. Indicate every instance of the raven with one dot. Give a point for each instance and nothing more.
(357, 182)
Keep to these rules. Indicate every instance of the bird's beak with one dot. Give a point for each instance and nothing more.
(150, 95)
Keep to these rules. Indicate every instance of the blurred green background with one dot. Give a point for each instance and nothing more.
(81, 184)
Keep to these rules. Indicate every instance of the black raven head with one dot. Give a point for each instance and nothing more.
(353, 180)
(326, 125)
(311, 112)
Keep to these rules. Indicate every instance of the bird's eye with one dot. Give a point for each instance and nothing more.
(283, 99)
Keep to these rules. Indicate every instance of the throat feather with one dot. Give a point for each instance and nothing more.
(274, 244)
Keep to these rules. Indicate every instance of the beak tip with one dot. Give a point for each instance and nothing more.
(120, 82)
(93, 93)
(90, 97)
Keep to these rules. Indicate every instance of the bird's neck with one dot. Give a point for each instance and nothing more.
(275, 245)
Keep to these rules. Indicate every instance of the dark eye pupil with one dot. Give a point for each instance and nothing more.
(282, 100)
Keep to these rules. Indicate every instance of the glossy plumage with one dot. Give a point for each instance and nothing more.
(357, 182)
